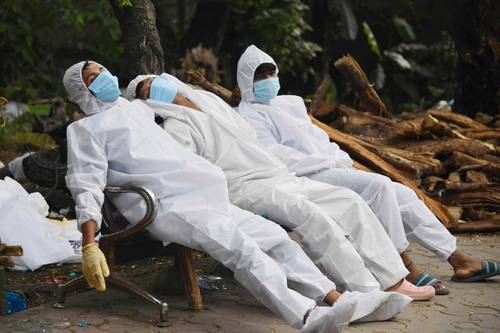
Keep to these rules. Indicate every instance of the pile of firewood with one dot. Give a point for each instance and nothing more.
(451, 161)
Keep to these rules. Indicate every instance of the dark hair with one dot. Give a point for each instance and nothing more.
(265, 67)
(138, 89)
(85, 65)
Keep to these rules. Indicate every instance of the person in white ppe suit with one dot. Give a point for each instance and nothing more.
(119, 143)
(283, 126)
(336, 227)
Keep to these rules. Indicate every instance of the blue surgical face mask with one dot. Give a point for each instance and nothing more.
(162, 90)
(266, 89)
(105, 87)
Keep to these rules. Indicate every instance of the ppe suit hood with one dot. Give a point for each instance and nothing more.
(76, 88)
(252, 58)
(132, 86)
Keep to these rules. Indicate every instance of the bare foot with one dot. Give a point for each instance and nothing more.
(463, 265)
(332, 297)
(416, 273)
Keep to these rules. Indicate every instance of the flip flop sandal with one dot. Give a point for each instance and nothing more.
(427, 280)
(490, 268)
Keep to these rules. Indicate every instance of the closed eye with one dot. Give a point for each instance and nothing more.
(93, 76)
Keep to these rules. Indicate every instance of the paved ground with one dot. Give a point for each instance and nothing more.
(469, 308)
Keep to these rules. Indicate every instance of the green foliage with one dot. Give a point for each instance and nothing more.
(17, 134)
(404, 29)
(278, 27)
(39, 109)
(124, 3)
(408, 74)
(370, 38)
(412, 74)
(41, 38)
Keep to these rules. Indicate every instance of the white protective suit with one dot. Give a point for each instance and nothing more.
(283, 126)
(120, 144)
(336, 227)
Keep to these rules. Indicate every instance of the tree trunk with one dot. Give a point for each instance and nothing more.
(143, 51)
(477, 39)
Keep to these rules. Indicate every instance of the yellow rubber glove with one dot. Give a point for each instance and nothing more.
(94, 266)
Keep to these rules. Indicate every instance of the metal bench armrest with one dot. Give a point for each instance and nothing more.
(146, 220)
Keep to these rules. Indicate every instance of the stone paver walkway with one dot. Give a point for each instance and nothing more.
(469, 308)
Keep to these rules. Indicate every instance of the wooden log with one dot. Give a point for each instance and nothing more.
(406, 167)
(196, 77)
(319, 96)
(493, 158)
(340, 122)
(475, 214)
(476, 226)
(491, 169)
(456, 212)
(462, 163)
(472, 176)
(431, 125)
(192, 288)
(472, 195)
(325, 109)
(13, 251)
(6, 261)
(360, 166)
(470, 147)
(458, 119)
(361, 122)
(235, 96)
(484, 118)
(462, 187)
(370, 159)
(454, 160)
(480, 134)
(454, 177)
(368, 97)
(433, 183)
(417, 165)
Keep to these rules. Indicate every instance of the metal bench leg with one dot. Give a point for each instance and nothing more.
(124, 285)
(62, 289)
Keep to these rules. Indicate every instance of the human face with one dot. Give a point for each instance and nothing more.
(265, 75)
(91, 72)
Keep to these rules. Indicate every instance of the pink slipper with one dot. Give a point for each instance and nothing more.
(423, 293)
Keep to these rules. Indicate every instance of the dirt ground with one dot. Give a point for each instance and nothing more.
(473, 307)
